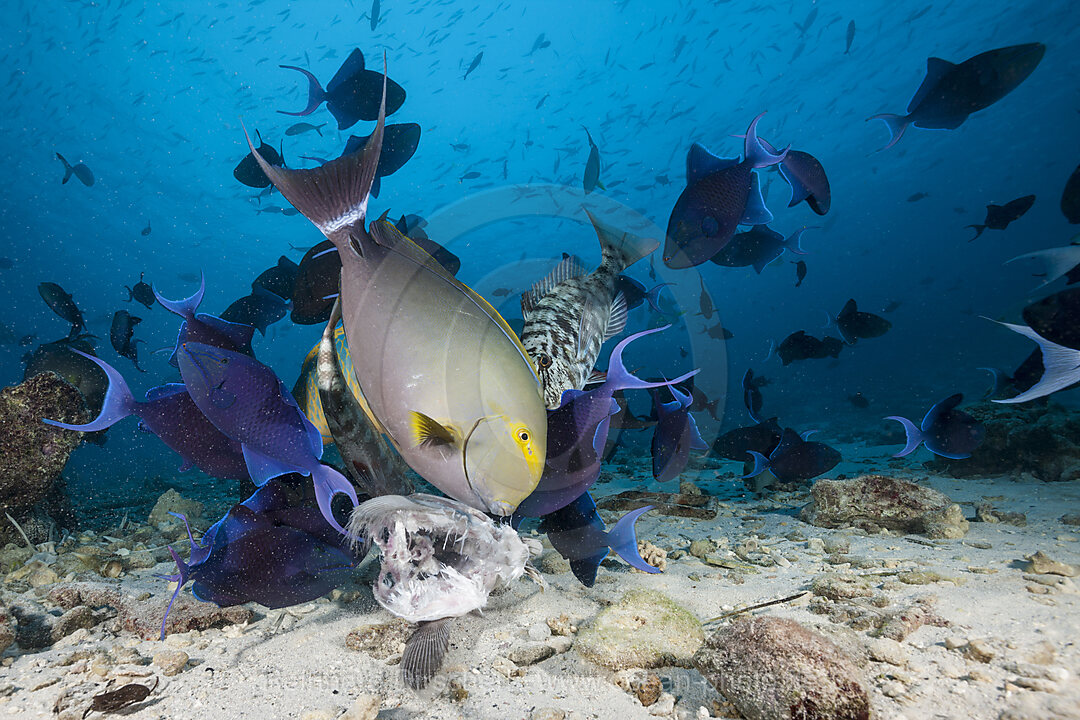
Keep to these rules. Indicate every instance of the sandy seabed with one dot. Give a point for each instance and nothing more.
(1010, 648)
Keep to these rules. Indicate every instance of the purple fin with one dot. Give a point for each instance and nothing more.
(1062, 366)
(696, 441)
(761, 464)
(180, 579)
(755, 212)
(619, 378)
(263, 468)
(755, 153)
(793, 243)
(315, 92)
(914, 435)
(799, 192)
(118, 403)
(701, 163)
(623, 540)
(329, 482)
(652, 296)
(896, 125)
(184, 308)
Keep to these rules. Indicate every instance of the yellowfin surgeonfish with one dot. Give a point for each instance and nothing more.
(445, 376)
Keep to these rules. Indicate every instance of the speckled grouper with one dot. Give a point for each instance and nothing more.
(570, 313)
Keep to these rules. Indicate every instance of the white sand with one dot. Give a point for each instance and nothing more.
(301, 665)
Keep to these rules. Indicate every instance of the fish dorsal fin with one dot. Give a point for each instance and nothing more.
(849, 308)
(936, 69)
(701, 163)
(942, 408)
(384, 232)
(352, 65)
(164, 391)
(428, 432)
(617, 318)
(569, 268)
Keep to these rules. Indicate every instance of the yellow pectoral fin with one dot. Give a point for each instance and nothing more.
(428, 432)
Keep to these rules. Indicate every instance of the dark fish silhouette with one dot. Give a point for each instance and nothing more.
(398, 146)
(998, 217)
(591, 180)
(539, 43)
(248, 170)
(145, 232)
(260, 309)
(1070, 198)
(302, 127)
(800, 346)
(795, 459)
(1057, 318)
(317, 284)
(859, 400)
(472, 66)
(279, 279)
(720, 195)
(806, 178)
(675, 435)
(945, 430)
(950, 93)
(413, 227)
(800, 272)
(635, 293)
(374, 13)
(353, 94)
(916, 197)
(121, 333)
(854, 324)
(850, 36)
(757, 247)
(79, 170)
(141, 293)
(752, 397)
(736, 444)
(61, 303)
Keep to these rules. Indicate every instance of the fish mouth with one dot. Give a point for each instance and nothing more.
(488, 493)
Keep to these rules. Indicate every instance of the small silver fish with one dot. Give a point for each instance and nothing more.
(440, 560)
(569, 314)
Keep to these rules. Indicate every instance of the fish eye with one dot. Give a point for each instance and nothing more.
(544, 361)
(523, 435)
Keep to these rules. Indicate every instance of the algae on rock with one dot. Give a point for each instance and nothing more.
(645, 629)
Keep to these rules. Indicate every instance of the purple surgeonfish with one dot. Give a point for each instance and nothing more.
(169, 413)
(577, 433)
(203, 328)
(950, 92)
(675, 435)
(945, 430)
(720, 195)
(274, 548)
(248, 402)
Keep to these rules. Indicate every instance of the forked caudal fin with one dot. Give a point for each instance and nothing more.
(619, 378)
(1061, 366)
(755, 152)
(914, 435)
(186, 307)
(333, 196)
(329, 482)
(761, 464)
(623, 540)
(896, 124)
(626, 247)
(316, 94)
(118, 404)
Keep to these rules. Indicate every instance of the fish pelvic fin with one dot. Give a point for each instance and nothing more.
(623, 247)
(424, 653)
(622, 539)
(896, 125)
(118, 404)
(334, 196)
(914, 435)
(316, 94)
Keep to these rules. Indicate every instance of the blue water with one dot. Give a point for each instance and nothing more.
(153, 99)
